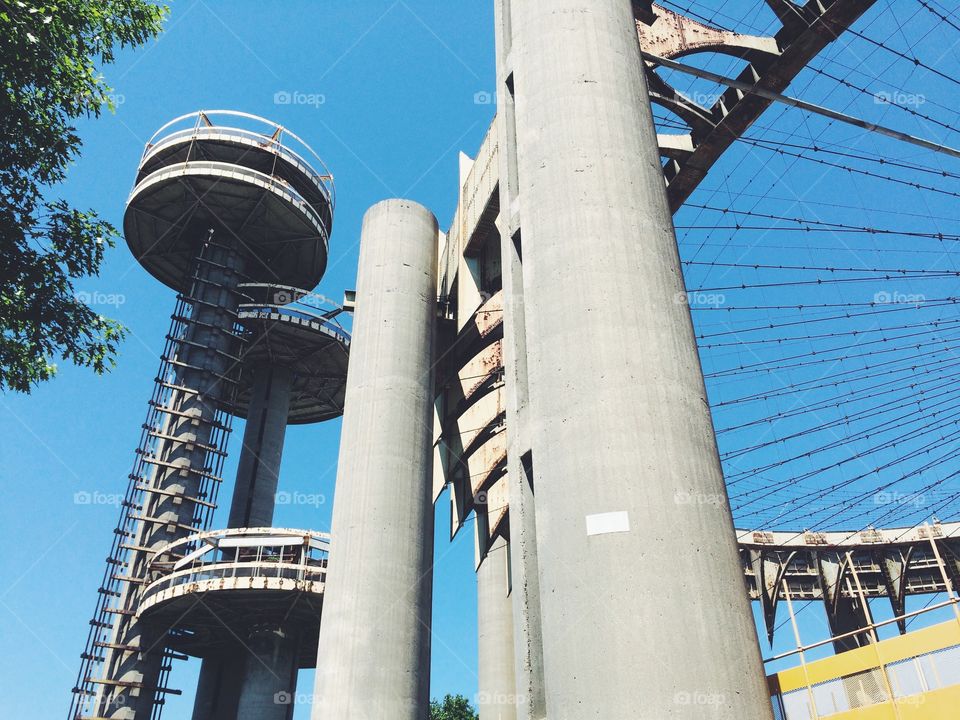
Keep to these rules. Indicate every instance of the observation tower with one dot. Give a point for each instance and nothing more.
(233, 212)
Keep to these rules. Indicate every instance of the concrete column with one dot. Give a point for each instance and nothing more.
(846, 610)
(643, 609)
(525, 595)
(497, 699)
(254, 499)
(374, 655)
(218, 686)
(269, 682)
(849, 615)
(254, 494)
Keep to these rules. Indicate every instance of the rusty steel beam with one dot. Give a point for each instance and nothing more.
(772, 64)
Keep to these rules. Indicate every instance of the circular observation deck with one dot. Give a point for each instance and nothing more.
(299, 330)
(213, 587)
(243, 176)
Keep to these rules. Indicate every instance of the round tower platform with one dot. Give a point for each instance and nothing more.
(214, 587)
(289, 327)
(238, 174)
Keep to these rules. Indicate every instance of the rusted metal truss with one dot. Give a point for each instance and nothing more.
(772, 62)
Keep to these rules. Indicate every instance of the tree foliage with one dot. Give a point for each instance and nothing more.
(50, 53)
(452, 707)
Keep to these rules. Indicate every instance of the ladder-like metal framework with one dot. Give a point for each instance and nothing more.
(120, 572)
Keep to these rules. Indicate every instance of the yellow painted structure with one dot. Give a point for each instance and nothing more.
(911, 677)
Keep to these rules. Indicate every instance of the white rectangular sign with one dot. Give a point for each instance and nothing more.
(611, 522)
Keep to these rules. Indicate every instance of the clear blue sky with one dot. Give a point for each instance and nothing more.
(399, 81)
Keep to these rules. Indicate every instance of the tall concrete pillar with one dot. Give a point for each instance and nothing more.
(643, 609)
(258, 470)
(497, 699)
(525, 595)
(254, 500)
(134, 660)
(269, 681)
(374, 656)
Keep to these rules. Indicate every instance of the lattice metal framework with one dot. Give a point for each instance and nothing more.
(96, 692)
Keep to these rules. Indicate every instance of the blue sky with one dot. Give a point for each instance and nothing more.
(400, 84)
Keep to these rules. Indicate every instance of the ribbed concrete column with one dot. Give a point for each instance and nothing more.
(374, 655)
(254, 494)
(497, 699)
(269, 681)
(527, 636)
(644, 613)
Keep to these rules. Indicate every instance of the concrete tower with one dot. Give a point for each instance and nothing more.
(571, 416)
(573, 426)
(619, 425)
(227, 211)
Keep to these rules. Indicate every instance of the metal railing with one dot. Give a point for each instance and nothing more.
(905, 681)
(294, 302)
(271, 553)
(241, 172)
(203, 123)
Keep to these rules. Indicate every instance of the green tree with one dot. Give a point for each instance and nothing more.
(50, 53)
(453, 707)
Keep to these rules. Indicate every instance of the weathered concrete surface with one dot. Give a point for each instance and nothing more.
(374, 656)
(218, 686)
(497, 697)
(643, 609)
(168, 514)
(525, 596)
